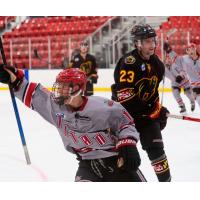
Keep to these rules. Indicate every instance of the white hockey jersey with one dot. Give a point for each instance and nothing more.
(193, 70)
(92, 131)
(176, 69)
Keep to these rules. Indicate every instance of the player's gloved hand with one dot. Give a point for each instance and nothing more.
(166, 47)
(128, 158)
(163, 117)
(12, 76)
(179, 79)
(160, 114)
(93, 79)
(114, 92)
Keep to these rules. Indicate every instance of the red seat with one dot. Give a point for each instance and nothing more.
(59, 29)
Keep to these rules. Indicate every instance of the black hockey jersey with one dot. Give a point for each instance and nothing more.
(136, 83)
(88, 65)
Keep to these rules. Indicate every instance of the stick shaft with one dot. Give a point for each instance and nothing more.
(184, 117)
(16, 110)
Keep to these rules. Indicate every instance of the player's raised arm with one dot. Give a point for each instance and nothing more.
(33, 95)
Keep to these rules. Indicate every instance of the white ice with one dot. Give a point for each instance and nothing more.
(51, 162)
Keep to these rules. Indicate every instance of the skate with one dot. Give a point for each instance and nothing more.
(192, 106)
(183, 109)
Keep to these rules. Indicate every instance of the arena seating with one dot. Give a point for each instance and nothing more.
(183, 25)
(39, 30)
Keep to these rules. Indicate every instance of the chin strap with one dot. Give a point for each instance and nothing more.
(61, 100)
(75, 95)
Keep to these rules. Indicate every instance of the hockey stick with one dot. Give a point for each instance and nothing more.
(163, 86)
(168, 34)
(171, 32)
(16, 110)
(184, 117)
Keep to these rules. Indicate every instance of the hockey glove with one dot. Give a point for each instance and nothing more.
(160, 114)
(163, 117)
(179, 79)
(93, 79)
(114, 92)
(12, 76)
(128, 158)
(166, 47)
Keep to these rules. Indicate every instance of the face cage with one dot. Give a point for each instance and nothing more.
(191, 49)
(58, 90)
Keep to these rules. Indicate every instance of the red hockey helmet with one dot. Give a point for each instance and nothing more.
(73, 75)
(69, 83)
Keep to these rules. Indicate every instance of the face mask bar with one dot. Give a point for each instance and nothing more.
(65, 91)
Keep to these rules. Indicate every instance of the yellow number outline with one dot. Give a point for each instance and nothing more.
(130, 74)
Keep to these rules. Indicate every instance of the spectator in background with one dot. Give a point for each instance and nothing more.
(87, 63)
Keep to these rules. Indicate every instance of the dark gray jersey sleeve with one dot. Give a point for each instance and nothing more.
(122, 123)
(38, 98)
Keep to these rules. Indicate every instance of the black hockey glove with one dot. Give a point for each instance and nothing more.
(93, 79)
(114, 92)
(128, 158)
(166, 47)
(163, 117)
(12, 76)
(179, 79)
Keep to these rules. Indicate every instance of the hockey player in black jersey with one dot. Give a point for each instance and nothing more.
(87, 63)
(137, 77)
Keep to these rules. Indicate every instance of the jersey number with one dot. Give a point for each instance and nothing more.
(129, 74)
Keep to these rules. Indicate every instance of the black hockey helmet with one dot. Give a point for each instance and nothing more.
(140, 32)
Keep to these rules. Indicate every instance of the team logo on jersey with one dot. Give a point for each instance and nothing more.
(130, 60)
(86, 67)
(146, 87)
(143, 67)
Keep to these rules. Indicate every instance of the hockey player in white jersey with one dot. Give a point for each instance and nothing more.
(191, 64)
(179, 80)
(98, 130)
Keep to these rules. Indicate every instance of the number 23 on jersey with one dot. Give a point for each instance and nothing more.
(126, 76)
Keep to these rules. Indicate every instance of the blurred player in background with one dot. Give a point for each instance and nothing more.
(87, 63)
(99, 131)
(179, 79)
(190, 63)
(137, 77)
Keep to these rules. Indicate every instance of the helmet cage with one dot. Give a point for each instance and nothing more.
(191, 46)
(69, 84)
(63, 91)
